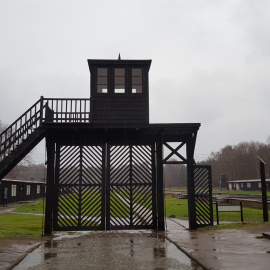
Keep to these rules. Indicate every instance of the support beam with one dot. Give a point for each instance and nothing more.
(50, 186)
(190, 182)
(264, 190)
(160, 195)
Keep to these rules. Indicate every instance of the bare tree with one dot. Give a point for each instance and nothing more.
(238, 162)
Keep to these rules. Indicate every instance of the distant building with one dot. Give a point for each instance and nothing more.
(253, 185)
(20, 190)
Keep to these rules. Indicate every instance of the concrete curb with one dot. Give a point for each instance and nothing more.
(187, 253)
(17, 261)
(184, 250)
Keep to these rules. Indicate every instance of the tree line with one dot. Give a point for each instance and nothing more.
(239, 162)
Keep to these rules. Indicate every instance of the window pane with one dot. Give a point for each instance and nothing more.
(28, 190)
(102, 88)
(102, 72)
(119, 72)
(119, 91)
(13, 190)
(137, 72)
(136, 80)
(119, 81)
(102, 80)
(136, 89)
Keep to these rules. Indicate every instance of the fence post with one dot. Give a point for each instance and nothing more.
(241, 207)
(217, 213)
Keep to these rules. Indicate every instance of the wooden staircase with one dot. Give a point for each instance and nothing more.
(28, 130)
(21, 137)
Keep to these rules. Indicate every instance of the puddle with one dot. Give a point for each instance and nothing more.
(122, 250)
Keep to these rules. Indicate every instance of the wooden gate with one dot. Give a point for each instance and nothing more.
(80, 188)
(203, 195)
(103, 187)
(131, 187)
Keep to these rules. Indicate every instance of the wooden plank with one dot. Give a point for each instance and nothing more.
(120, 114)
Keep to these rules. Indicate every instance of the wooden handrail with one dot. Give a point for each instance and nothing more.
(58, 110)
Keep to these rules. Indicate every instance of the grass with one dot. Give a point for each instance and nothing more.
(179, 209)
(21, 223)
(234, 226)
(22, 226)
(218, 191)
(176, 207)
(33, 208)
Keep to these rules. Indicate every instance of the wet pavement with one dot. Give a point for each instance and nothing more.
(177, 248)
(244, 248)
(109, 250)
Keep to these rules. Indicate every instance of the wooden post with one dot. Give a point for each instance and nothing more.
(264, 190)
(241, 207)
(160, 195)
(217, 213)
(50, 186)
(190, 185)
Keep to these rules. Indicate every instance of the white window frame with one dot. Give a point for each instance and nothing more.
(28, 189)
(13, 190)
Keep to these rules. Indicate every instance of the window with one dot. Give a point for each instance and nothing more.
(248, 185)
(102, 80)
(259, 185)
(119, 81)
(38, 189)
(13, 190)
(136, 80)
(28, 190)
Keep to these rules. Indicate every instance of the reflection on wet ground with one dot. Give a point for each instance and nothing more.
(109, 250)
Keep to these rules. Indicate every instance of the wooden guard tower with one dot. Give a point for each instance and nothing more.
(105, 160)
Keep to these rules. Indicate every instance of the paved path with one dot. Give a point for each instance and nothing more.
(224, 249)
(114, 250)
(217, 249)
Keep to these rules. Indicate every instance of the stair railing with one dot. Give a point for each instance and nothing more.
(19, 130)
(67, 110)
(51, 110)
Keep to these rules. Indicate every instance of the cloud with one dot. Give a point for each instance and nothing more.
(210, 58)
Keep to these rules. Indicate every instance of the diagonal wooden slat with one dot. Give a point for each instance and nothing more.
(131, 186)
(203, 195)
(80, 184)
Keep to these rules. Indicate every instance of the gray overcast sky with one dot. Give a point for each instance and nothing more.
(210, 59)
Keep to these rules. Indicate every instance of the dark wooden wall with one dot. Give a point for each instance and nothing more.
(21, 189)
(119, 110)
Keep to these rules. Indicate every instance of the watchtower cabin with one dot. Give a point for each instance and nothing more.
(119, 91)
(104, 159)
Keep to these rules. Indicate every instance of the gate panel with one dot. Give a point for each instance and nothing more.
(203, 195)
(131, 185)
(79, 188)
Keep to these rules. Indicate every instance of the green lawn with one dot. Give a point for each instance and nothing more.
(33, 208)
(179, 209)
(23, 224)
(19, 225)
